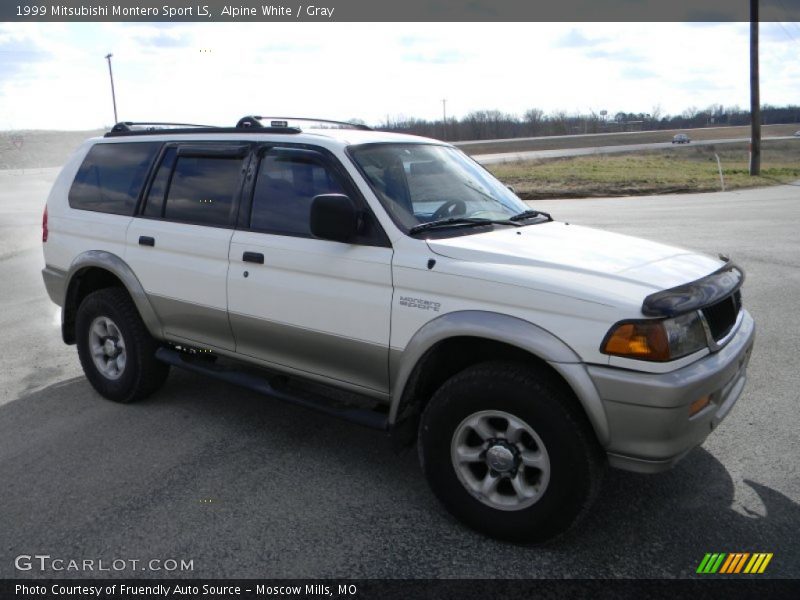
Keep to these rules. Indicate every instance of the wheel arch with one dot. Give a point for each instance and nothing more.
(452, 342)
(98, 269)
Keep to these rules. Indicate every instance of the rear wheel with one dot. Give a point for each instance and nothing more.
(509, 453)
(116, 351)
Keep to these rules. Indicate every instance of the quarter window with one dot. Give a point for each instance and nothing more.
(111, 177)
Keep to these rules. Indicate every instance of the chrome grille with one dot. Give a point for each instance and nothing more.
(721, 316)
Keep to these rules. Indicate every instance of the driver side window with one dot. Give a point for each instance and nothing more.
(285, 187)
(287, 182)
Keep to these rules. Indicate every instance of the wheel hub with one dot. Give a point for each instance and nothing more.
(107, 347)
(110, 347)
(502, 458)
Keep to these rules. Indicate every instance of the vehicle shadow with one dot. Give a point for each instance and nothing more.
(667, 522)
(245, 486)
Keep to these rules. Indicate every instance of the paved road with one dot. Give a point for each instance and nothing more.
(247, 487)
(503, 157)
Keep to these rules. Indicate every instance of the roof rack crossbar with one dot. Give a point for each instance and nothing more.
(129, 125)
(255, 121)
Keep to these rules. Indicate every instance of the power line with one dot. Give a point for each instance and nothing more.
(786, 31)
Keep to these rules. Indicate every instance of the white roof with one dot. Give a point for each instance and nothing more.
(333, 137)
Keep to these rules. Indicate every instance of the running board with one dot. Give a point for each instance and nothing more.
(361, 416)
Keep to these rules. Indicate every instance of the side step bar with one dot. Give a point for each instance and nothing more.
(368, 418)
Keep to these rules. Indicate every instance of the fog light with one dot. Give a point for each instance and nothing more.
(699, 404)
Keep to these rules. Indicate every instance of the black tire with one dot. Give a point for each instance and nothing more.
(142, 373)
(576, 461)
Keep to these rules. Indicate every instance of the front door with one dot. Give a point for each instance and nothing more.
(315, 306)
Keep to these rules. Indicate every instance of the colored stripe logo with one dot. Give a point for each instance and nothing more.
(734, 563)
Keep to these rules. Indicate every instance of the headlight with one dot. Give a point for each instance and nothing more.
(656, 340)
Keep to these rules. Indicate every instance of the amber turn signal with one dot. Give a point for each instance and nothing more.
(699, 404)
(644, 340)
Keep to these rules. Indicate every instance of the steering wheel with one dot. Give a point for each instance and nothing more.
(451, 208)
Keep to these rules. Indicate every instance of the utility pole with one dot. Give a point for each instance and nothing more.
(755, 96)
(444, 118)
(113, 95)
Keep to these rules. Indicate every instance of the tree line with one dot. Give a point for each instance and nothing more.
(495, 124)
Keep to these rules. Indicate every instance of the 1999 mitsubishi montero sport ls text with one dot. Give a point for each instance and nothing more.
(391, 280)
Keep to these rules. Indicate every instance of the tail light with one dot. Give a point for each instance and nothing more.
(44, 225)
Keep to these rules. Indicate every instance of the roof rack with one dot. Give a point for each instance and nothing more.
(153, 125)
(256, 122)
(129, 128)
(250, 124)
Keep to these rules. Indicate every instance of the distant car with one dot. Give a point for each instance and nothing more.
(682, 138)
(796, 134)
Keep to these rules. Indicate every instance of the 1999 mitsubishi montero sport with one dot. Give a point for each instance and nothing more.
(391, 280)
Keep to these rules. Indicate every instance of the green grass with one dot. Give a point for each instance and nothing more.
(684, 169)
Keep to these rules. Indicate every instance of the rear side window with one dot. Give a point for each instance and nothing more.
(111, 177)
(154, 207)
(202, 190)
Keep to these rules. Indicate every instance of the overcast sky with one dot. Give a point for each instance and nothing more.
(54, 76)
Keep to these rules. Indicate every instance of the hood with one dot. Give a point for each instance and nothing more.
(583, 251)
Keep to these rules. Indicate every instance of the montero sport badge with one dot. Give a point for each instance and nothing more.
(420, 303)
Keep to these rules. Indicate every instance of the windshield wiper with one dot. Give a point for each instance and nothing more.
(530, 214)
(459, 221)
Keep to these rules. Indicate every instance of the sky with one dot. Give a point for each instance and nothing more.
(55, 76)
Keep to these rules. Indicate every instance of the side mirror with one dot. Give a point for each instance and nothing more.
(334, 217)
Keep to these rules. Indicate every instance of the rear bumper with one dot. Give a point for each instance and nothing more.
(55, 281)
(648, 414)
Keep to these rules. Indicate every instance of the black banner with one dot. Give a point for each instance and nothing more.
(243, 11)
(596, 589)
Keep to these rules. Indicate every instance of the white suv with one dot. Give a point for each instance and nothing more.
(391, 280)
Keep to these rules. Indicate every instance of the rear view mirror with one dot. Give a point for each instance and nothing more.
(335, 217)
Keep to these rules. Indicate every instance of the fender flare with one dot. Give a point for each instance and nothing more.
(508, 330)
(120, 269)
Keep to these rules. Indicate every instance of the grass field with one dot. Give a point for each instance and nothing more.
(675, 170)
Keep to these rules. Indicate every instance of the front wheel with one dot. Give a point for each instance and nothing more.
(508, 452)
(116, 351)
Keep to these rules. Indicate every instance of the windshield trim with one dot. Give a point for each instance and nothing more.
(403, 228)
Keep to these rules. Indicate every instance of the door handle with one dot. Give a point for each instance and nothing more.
(146, 240)
(253, 257)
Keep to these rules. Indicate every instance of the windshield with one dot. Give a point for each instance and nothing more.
(422, 183)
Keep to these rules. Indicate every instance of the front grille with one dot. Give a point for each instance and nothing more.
(721, 316)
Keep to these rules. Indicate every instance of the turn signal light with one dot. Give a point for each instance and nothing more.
(699, 404)
(643, 340)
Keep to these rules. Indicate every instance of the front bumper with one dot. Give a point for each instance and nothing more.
(648, 414)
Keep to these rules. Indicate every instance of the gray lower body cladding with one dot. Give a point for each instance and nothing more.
(334, 357)
(650, 426)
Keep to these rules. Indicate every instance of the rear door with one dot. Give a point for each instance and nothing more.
(316, 306)
(178, 243)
